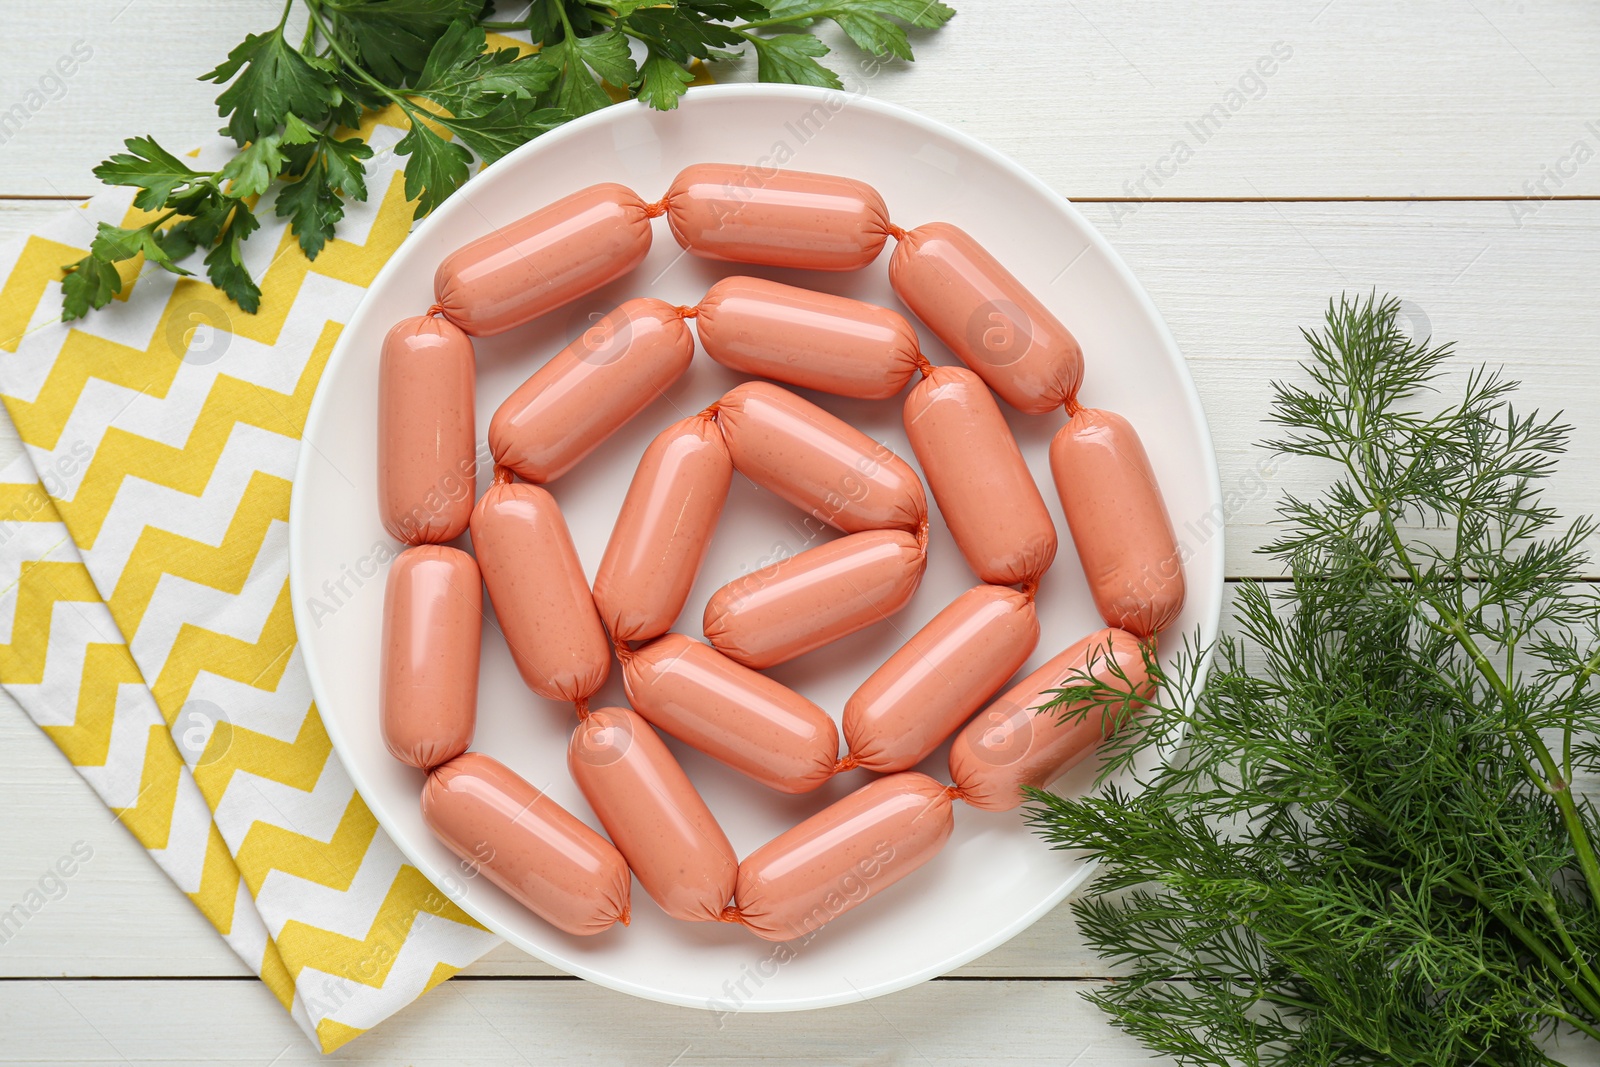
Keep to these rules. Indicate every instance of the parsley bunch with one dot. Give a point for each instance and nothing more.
(1369, 850)
(294, 103)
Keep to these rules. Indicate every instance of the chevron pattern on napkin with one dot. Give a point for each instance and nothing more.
(145, 624)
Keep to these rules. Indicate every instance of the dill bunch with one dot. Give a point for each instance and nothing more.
(1367, 849)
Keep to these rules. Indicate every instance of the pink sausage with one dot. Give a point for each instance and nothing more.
(928, 688)
(780, 218)
(843, 855)
(427, 462)
(731, 713)
(987, 317)
(539, 593)
(590, 388)
(432, 623)
(653, 814)
(662, 533)
(527, 844)
(813, 340)
(817, 462)
(544, 260)
(1119, 522)
(811, 599)
(1012, 744)
(978, 478)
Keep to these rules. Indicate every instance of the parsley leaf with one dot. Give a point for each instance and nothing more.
(437, 168)
(313, 203)
(273, 81)
(608, 55)
(624, 8)
(115, 243)
(681, 35)
(459, 45)
(90, 284)
(871, 23)
(662, 82)
(345, 170)
(508, 125)
(393, 38)
(464, 79)
(791, 57)
(285, 106)
(225, 262)
(252, 171)
(156, 172)
(313, 208)
(578, 59)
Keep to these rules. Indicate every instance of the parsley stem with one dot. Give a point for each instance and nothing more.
(358, 69)
(782, 20)
(566, 23)
(623, 28)
(154, 223)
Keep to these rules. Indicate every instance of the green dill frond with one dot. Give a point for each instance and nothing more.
(1366, 849)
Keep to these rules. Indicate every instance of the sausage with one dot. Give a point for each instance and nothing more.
(986, 317)
(653, 814)
(978, 478)
(539, 593)
(813, 340)
(731, 713)
(780, 218)
(665, 526)
(817, 462)
(432, 625)
(527, 844)
(544, 260)
(427, 462)
(1013, 744)
(928, 688)
(590, 388)
(815, 597)
(1119, 522)
(845, 854)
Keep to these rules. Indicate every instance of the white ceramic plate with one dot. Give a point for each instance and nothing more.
(994, 877)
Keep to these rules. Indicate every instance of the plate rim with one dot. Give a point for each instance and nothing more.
(298, 530)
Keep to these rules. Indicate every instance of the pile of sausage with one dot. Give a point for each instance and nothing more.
(710, 694)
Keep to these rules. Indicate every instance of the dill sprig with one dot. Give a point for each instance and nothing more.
(1368, 850)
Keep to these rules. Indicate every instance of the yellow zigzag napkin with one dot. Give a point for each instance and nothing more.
(162, 434)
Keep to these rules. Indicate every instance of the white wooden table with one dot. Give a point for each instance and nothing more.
(1428, 149)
